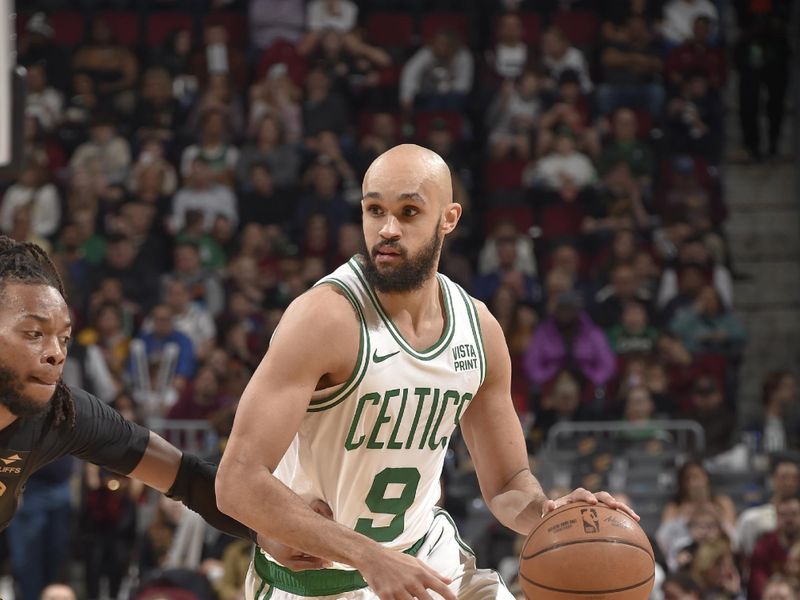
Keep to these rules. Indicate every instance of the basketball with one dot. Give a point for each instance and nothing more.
(582, 550)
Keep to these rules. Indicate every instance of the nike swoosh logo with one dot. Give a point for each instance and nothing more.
(377, 359)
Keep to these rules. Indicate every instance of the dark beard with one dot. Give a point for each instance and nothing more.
(411, 274)
(13, 399)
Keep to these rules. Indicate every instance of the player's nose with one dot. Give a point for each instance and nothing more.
(391, 228)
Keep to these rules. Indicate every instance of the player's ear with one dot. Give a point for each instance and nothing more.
(452, 213)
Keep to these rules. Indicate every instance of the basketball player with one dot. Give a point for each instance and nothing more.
(41, 419)
(353, 405)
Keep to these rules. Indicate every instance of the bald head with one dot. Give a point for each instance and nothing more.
(410, 169)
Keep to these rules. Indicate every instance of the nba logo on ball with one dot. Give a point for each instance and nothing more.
(590, 522)
(562, 562)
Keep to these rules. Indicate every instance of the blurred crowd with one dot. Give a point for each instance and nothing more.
(192, 167)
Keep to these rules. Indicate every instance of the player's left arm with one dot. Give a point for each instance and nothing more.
(493, 435)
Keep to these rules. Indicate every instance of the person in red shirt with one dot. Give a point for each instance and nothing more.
(772, 548)
(694, 55)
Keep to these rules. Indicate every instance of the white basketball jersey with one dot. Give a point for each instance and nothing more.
(373, 448)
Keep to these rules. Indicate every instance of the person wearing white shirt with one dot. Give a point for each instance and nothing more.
(202, 194)
(32, 190)
(42, 101)
(559, 56)
(680, 15)
(440, 70)
(755, 521)
(565, 166)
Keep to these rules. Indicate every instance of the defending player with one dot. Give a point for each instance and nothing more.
(41, 419)
(353, 405)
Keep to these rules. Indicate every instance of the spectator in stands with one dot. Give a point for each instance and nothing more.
(101, 353)
(570, 108)
(779, 428)
(758, 520)
(616, 207)
(235, 563)
(562, 402)
(219, 57)
(513, 117)
(625, 146)
(105, 157)
(36, 45)
(611, 299)
(270, 148)
(112, 67)
(762, 57)
(703, 527)
(509, 56)
(772, 549)
(204, 194)
(489, 259)
(34, 190)
(219, 96)
(327, 148)
(262, 202)
(707, 326)
(632, 67)
(439, 76)
(214, 148)
(276, 94)
(680, 15)
(161, 364)
(203, 285)
(382, 133)
(201, 399)
(189, 318)
(139, 280)
(558, 56)
(634, 334)
(568, 339)
(158, 113)
(638, 407)
(681, 586)
(324, 109)
(695, 492)
(526, 287)
(709, 409)
(693, 118)
(697, 54)
(324, 197)
(43, 101)
(274, 20)
(714, 569)
(137, 221)
(565, 171)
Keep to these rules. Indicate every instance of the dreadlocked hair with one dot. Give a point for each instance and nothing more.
(26, 262)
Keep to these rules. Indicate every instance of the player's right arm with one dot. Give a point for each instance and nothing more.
(317, 340)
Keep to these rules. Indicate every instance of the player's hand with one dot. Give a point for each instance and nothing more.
(582, 495)
(393, 575)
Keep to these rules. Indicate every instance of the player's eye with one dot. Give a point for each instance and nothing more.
(410, 211)
(33, 334)
(65, 339)
(374, 210)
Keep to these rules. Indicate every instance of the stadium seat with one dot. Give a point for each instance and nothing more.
(124, 24)
(161, 24)
(68, 27)
(580, 26)
(504, 175)
(234, 23)
(561, 220)
(434, 22)
(390, 29)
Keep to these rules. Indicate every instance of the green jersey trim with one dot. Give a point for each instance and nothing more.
(360, 369)
(315, 582)
(440, 512)
(475, 324)
(447, 335)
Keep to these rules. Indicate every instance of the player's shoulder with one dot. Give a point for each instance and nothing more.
(490, 327)
(323, 311)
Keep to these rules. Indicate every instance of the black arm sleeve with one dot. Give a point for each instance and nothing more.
(194, 486)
